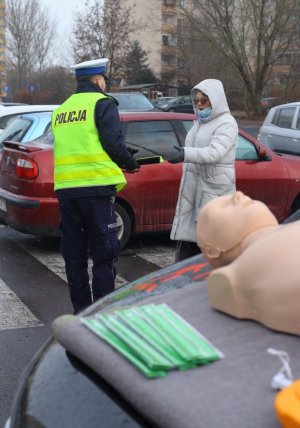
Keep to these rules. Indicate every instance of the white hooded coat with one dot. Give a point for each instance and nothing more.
(209, 157)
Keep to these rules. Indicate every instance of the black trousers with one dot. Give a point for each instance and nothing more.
(88, 225)
(185, 249)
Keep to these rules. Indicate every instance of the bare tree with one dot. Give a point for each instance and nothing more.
(103, 30)
(251, 34)
(200, 58)
(88, 33)
(30, 34)
(53, 86)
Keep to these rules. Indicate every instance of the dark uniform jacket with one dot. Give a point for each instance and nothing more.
(110, 133)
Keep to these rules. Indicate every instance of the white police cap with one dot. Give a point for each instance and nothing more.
(96, 66)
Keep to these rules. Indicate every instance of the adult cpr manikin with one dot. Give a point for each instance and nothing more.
(257, 261)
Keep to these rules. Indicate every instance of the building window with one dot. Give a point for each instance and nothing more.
(165, 40)
(180, 24)
(180, 63)
(169, 19)
(169, 60)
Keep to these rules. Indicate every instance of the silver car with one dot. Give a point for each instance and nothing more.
(280, 130)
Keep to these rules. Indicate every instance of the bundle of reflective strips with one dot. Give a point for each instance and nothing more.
(154, 338)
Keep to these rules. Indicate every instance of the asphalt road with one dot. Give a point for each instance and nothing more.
(33, 292)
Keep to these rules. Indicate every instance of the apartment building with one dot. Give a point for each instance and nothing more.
(159, 21)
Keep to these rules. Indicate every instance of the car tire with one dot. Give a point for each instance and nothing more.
(172, 109)
(124, 224)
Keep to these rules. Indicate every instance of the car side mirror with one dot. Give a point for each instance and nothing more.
(263, 155)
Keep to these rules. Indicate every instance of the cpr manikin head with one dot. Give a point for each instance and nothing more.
(226, 222)
(259, 278)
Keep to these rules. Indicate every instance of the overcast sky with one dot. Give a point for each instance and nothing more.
(63, 12)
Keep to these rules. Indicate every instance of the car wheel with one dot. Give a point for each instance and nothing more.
(123, 224)
(172, 109)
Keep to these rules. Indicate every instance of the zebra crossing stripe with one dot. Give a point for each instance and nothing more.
(53, 261)
(13, 312)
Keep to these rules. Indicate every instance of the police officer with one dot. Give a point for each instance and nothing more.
(89, 155)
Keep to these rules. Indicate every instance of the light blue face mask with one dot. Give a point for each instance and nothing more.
(203, 114)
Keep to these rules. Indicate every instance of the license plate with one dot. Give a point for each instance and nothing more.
(2, 205)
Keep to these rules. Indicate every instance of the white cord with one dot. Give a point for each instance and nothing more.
(284, 377)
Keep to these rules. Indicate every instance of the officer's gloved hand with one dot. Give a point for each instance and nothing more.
(132, 166)
(177, 156)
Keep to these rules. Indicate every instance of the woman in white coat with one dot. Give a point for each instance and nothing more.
(208, 156)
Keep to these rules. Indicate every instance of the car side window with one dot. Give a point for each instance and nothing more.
(284, 117)
(151, 138)
(245, 149)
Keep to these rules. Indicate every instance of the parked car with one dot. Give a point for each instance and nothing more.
(132, 101)
(7, 113)
(161, 101)
(77, 380)
(280, 130)
(147, 203)
(181, 104)
(268, 102)
(155, 186)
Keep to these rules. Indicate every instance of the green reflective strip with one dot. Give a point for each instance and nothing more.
(88, 183)
(91, 173)
(81, 158)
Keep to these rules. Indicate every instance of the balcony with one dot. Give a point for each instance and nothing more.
(168, 50)
(169, 29)
(168, 69)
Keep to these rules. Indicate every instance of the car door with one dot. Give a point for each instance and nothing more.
(152, 192)
(280, 134)
(263, 178)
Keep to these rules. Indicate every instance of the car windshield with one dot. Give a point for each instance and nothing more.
(134, 102)
(15, 130)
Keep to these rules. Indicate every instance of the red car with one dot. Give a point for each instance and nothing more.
(147, 203)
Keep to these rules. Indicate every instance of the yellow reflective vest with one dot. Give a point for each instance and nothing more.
(79, 158)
